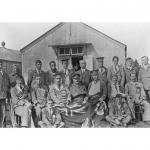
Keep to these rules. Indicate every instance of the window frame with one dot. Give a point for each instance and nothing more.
(71, 50)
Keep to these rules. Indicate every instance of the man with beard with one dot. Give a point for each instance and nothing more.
(51, 73)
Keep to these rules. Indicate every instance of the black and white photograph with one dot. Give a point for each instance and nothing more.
(73, 75)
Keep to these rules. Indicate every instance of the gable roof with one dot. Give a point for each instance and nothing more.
(10, 55)
(61, 24)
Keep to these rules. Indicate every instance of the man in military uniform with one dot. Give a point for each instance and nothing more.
(102, 71)
(36, 72)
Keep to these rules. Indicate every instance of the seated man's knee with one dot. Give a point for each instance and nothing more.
(29, 105)
(107, 118)
(127, 119)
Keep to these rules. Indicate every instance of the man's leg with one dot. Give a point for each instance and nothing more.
(26, 117)
(2, 112)
(38, 113)
(111, 120)
(127, 119)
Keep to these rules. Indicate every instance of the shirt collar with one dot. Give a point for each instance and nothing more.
(18, 88)
(115, 68)
(83, 70)
(129, 68)
(38, 71)
(56, 87)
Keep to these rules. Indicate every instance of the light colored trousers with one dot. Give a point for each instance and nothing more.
(25, 113)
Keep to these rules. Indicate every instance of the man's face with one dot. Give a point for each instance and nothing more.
(1, 66)
(129, 63)
(19, 83)
(100, 64)
(115, 61)
(144, 60)
(95, 77)
(58, 79)
(38, 66)
(76, 80)
(53, 66)
(65, 64)
(83, 64)
(133, 77)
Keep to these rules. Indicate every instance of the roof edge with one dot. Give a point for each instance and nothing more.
(40, 37)
(104, 34)
(59, 25)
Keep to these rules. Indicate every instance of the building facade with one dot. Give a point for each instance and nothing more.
(10, 57)
(74, 41)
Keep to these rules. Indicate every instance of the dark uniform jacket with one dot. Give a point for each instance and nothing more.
(85, 77)
(32, 75)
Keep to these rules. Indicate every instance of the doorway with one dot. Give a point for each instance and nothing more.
(75, 62)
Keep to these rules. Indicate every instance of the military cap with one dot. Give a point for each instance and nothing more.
(75, 75)
(100, 58)
(65, 60)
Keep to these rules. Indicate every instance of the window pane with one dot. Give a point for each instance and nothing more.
(74, 50)
(61, 51)
(80, 50)
(67, 51)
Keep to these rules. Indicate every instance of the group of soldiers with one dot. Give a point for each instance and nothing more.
(78, 97)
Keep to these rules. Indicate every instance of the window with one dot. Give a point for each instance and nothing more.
(64, 51)
(75, 50)
(80, 50)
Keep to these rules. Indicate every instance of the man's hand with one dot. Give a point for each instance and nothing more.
(85, 100)
(101, 99)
